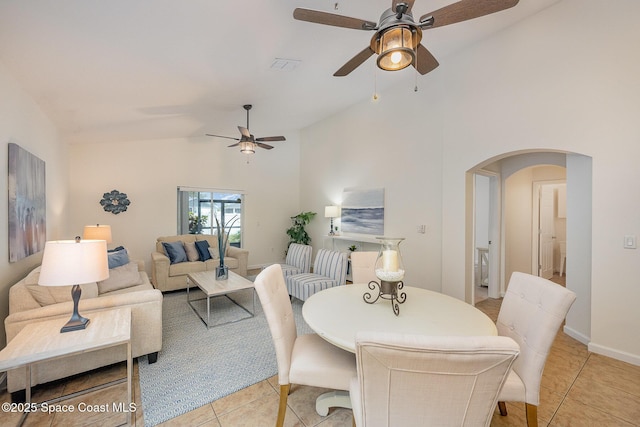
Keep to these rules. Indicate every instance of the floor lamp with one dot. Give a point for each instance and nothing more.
(74, 262)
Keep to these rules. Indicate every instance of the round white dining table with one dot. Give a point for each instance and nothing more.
(338, 313)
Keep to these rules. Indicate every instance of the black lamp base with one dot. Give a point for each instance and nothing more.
(76, 322)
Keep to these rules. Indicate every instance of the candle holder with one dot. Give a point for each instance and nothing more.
(390, 271)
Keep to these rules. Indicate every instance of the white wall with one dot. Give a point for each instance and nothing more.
(550, 83)
(537, 86)
(149, 172)
(23, 123)
(373, 146)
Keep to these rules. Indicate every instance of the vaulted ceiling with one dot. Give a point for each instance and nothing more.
(125, 70)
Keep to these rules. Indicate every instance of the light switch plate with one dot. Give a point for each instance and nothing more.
(630, 241)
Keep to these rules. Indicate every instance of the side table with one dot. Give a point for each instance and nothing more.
(42, 341)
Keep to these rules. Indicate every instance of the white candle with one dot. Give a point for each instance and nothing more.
(390, 260)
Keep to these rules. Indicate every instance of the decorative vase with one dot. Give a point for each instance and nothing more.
(389, 266)
(222, 272)
(390, 271)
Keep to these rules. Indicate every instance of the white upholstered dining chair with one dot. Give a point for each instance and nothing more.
(531, 313)
(302, 359)
(363, 266)
(418, 380)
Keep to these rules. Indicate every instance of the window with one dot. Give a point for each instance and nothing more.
(197, 207)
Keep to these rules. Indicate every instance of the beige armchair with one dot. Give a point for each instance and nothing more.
(417, 380)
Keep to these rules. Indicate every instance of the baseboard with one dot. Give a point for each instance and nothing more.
(576, 335)
(634, 359)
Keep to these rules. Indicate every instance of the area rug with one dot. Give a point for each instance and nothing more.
(198, 365)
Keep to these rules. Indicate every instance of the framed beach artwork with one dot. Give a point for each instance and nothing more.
(27, 204)
(363, 211)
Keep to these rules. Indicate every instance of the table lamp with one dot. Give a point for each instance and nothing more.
(331, 212)
(74, 262)
(97, 232)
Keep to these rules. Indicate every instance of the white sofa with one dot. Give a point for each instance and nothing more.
(29, 303)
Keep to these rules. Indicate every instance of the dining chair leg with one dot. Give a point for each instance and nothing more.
(282, 409)
(353, 421)
(532, 415)
(503, 408)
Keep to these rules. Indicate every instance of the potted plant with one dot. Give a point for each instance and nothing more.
(222, 271)
(196, 222)
(297, 233)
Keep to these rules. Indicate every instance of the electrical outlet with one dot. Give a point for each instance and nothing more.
(422, 229)
(630, 241)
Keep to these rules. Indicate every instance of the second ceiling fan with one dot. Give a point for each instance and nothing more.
(247, 141)
(397, 35)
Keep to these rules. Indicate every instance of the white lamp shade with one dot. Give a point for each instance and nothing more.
(331, 211)
(67, 262)
(97, 232)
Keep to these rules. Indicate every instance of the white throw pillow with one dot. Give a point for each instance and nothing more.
(121, 277)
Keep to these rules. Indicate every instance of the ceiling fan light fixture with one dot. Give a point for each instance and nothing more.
(396, 48)
(247, 147)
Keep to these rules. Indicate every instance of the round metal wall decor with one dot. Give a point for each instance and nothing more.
(115, 202)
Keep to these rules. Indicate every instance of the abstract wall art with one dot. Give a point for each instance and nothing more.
(27, 204)
(363, 211)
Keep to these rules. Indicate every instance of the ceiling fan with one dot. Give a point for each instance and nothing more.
(397, 35)
(247, 141)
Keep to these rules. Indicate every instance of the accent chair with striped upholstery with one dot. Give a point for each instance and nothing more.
(298, 260)
(329, 270)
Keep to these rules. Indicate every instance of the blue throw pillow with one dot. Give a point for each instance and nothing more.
(202, 246)
(117, 257)
(175, 252)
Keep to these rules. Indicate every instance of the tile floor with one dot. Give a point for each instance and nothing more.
(578, 389)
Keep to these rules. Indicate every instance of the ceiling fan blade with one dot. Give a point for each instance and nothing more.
(271, 138)
(465, 10)
(409, 3)
(354, 62)
(227, 137)
(325, 18)
(425, 60)
(244, 131)
(234, 145)
(265, 146)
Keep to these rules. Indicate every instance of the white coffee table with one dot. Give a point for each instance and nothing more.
(43, 341)
(206, 281)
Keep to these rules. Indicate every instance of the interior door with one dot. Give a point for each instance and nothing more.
(546, 232)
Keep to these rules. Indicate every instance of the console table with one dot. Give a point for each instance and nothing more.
(43, 341)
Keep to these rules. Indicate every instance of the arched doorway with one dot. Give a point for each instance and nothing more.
(508, 254)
